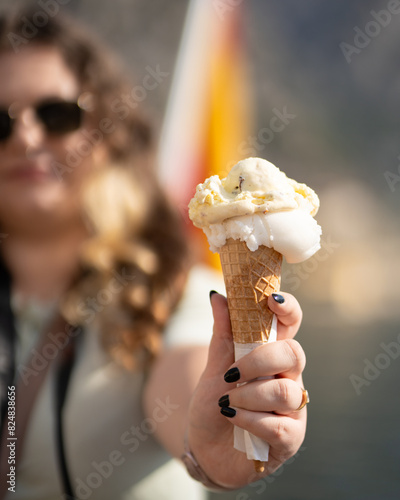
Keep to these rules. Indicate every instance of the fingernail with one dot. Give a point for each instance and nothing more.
(223, 402)
(212, 293)
(228, 412)
(232, 375)
(278, 298)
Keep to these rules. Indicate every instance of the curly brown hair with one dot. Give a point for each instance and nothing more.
(134, 263)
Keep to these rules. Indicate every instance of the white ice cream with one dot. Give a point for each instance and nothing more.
(258, 204)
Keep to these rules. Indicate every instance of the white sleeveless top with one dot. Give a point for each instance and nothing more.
(110, 447)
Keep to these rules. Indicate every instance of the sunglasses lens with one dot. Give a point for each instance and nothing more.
(60, 117)
(5, 125)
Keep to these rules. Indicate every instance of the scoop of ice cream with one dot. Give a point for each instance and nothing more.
(294, 234)
(253, 185)
(258, 204)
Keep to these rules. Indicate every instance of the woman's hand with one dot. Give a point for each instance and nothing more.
(265, 408)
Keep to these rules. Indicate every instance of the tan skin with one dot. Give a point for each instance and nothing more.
(39, 211)
(41, 216)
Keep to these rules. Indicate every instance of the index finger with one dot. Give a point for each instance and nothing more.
(288, 313)
(283, 359)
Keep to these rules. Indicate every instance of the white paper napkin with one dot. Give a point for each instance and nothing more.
(254, 447)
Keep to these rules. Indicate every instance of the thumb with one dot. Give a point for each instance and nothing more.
(221, 350)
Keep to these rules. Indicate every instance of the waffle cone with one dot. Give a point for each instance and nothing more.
(250, 277)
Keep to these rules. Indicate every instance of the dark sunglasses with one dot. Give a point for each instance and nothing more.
(58, 117)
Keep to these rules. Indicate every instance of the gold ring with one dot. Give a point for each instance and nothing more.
(305, 399)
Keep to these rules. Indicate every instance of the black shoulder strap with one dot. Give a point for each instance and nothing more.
(63, 376)
(7, 372)
(7, 340)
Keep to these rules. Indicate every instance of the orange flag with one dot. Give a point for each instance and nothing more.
(209, 112)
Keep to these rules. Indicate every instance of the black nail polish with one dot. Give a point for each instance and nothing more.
(228, 412)
(212, 293)
(223, 402)
(232, 375)
(278, 298)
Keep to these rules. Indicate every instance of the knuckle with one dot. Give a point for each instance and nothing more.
(281, 391)
(286, 442)
(281, 431)
(296, 354)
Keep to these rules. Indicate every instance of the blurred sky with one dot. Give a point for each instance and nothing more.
(342, 140)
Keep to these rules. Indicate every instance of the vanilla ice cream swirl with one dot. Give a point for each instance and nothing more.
(257, 203)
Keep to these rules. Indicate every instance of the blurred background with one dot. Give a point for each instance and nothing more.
(328, 72)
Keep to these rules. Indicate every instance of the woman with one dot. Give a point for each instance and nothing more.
(109, 354)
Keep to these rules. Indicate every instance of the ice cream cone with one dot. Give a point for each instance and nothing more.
(250, 277)
(258, 204)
